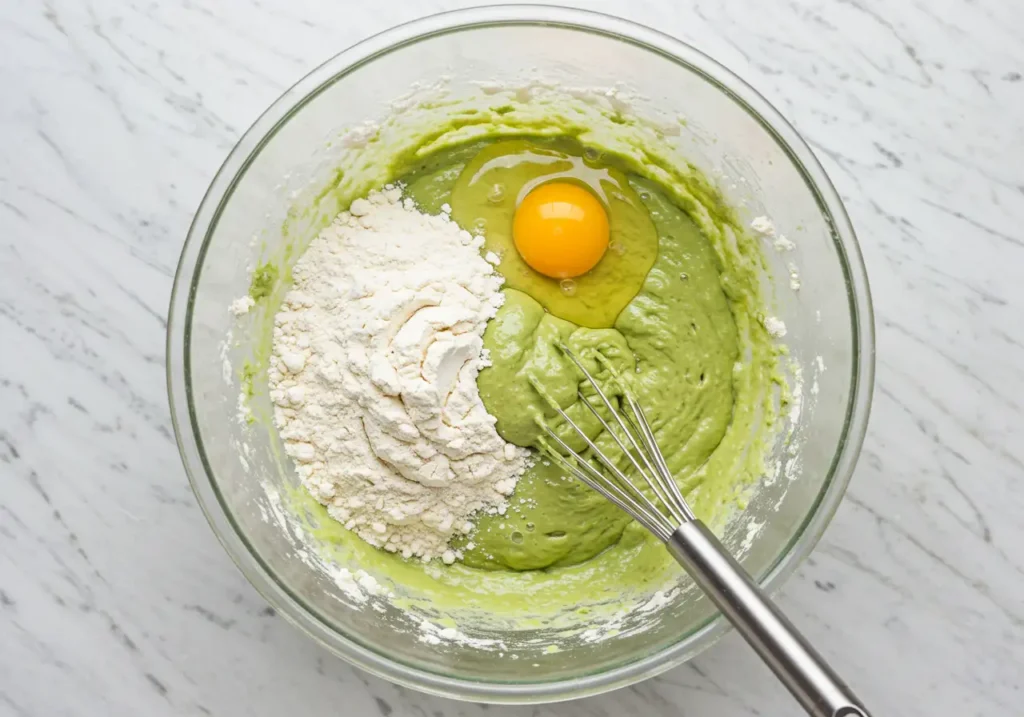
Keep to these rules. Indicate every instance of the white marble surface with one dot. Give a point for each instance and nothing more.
(115, 597)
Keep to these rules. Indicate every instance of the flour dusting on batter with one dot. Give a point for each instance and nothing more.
(373, 376)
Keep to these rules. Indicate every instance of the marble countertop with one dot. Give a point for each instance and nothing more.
(115, 597)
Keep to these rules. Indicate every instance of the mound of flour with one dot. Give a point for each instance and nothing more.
(373, 376)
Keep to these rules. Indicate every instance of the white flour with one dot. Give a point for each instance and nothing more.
(794, 277)
(241, 305)
(776, 327)
(766, 228)
(373, 375)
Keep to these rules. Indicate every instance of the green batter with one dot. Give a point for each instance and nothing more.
(657, 312)
(675, 306)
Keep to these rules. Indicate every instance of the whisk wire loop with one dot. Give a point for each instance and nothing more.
(620, 491)
(635, 438)
(675, 495)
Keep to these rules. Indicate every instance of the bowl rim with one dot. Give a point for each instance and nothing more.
(258, 135)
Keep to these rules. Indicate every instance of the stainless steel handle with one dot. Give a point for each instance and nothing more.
(800, 668)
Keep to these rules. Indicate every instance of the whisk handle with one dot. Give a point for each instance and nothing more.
(798, 665)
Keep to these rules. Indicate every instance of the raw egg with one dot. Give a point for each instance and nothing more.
(561, 230)
(493, 192)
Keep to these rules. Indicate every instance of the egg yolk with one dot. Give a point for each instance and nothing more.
(560, 230)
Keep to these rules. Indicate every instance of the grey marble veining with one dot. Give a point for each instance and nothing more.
(115, 597)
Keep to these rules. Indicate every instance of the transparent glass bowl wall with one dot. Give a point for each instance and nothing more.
(730, 133)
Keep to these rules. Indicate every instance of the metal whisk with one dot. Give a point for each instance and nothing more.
(803, 671)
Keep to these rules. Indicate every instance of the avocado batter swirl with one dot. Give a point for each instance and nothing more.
(664, 310)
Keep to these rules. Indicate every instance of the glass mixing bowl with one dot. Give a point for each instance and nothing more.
(281, 183)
